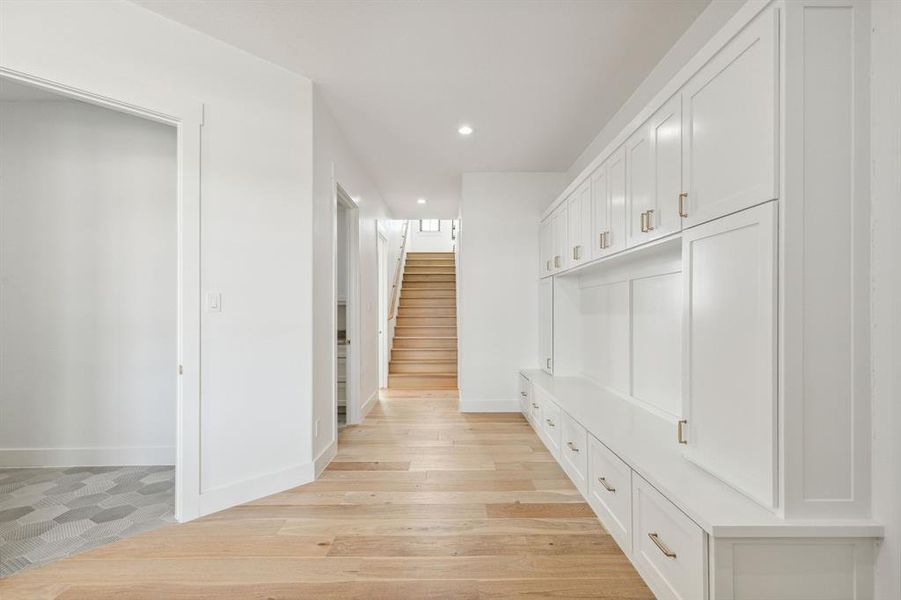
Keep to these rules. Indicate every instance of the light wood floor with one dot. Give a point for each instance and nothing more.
(421, 502)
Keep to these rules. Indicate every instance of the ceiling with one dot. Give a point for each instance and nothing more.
(537, 79)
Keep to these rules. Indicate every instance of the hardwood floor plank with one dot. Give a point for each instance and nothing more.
(368, 466)
(443, 527)
(472, 545)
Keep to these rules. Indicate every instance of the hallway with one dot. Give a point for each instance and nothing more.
(421, 502)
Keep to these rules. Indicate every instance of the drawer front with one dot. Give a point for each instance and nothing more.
(525, 389)
(610, 492)
(669, 549)
(535, 410)
(574, 451)
(551, 427)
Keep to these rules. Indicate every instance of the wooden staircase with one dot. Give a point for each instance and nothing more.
(424, 354)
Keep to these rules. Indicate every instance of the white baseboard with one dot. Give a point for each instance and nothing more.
(367, 406)
(324, 458)
(87, 457)
(252, 489)
(488, 405)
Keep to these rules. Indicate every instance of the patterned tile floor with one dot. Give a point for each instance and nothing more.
(51, 513)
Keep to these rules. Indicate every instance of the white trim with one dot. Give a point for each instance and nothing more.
(489, 405)
(367, 406)
(257, 487)
(186, 115)
(324, 458)
(87, 457)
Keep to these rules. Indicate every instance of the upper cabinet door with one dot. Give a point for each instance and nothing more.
(600, 212)
(546, 247)
(616, 201)
(560, 238)
(729, 349)
(578, 208)
(665, 131)
(639, 186)
(729, 126)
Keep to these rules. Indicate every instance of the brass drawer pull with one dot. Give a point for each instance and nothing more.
(663, 548)
(572, 447)
(549, 422)
(523, 394)
(607, 486)
(682, 198)
(534, 405)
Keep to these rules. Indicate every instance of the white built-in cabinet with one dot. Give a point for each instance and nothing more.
(704, 317)
(729, 349)
(546, 325)
(578, 211)
(729, 125)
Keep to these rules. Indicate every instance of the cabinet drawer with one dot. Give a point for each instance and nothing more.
(669, 549)
(525, 393)
(550, 427)
(535, 410)
(610, 492)
(574, 451)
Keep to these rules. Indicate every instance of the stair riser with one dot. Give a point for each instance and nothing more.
(446, 294)
(422, 383)
(417, 269)
(426, 322)
(446, 255)
(419, 277)
(426, 311)
(400, 354)
(425, 331)
(424, 344)
(443, 368)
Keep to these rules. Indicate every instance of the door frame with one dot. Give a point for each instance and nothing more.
(186, 116)
(352, 314)
(382, 264)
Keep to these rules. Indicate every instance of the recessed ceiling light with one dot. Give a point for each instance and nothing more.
(420, 201)
(465, 130)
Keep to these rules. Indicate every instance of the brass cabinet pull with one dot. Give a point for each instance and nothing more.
(682, 198)
(523, 394)
(572, 447)
(644, 222)
(534, 405)
(607, 486)
(663, 548)
(557, 261)
(606, 239)
(577, 252)
(650, 214)
(549, 265)
(680, 431)
(549, 422)
(601, 240)
(548, 363)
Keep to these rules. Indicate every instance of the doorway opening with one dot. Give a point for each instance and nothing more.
(347, 310)
(90, 324)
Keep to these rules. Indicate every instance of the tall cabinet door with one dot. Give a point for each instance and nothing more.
(600, 211)
(608, 200)
(546, 324)
(729, 124)
(639, 186)
(665, 131)
(729, 349)
(560, 226)
(578, 208)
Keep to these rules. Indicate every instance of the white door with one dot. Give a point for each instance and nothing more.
(578, 208)
(730, 126)
(729, 349)
(383, 309)
(665, 131)
(639, 186)
(546, 324)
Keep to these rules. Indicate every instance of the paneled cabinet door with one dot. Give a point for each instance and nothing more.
(729, 125)
(608, 197)
(578, 208)
(654, 176)
(559, 236)
(546, 324)
(729, 349)
(546, 247)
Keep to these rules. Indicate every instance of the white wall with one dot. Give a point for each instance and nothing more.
(698, 33)
(428, 241)
(256, 210)
(334, 157)
(886, 292)
(87, 286)
(498, 283)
